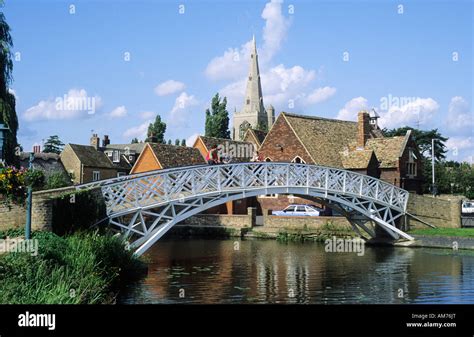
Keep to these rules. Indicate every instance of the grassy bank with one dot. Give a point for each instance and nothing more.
(460, 232)
(84, 268)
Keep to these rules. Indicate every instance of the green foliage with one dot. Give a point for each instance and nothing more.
(57, 180)
(461, 232)
(183, 142)
(157, 129)
(423, 140)
(35, 178)
(451, 178)
(262, 126)
(217, 120)
(53, 145)
(80, 269)
(78, 211)
(134, 140)
(8, 114)
(169, 141)
(176, 142)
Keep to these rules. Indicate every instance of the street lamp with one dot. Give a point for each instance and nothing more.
(3, 128)
(434, 188)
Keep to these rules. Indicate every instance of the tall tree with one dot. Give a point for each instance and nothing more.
(7, 99)
(169, 141)
(176, 142)
(134, 140)
(217, 119)
(157, 129)
(183, 142)
(423, 140)
(53, 145)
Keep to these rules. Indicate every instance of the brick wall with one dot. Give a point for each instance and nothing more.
(12, 217)
(283, 135)
(218, 220)
(441, 212)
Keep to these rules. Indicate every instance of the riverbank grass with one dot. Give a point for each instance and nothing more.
(84, 268)
(460, 232)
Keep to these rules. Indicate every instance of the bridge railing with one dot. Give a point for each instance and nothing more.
(161, 187)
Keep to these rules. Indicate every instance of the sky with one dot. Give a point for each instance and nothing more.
(128, 61)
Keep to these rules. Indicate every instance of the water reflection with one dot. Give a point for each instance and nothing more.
(265, 271)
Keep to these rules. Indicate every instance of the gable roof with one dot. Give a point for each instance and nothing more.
(174, 156)
(258, 135)
(323, 138)
(89, 156)
(356, 159)
(209, 142)
(134, 147)
(388, 150)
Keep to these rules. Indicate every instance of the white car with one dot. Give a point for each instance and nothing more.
(467, 207)
(299, 210)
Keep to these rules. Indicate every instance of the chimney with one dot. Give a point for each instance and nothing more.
(363, 129)
(106, 141)
(95, 141)
(36, 148)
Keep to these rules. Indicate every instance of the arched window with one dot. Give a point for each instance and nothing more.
(268, 159)
(298, 160)
(243, 128)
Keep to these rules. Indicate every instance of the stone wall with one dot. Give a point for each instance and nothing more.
(221, 220)
(440, 212)
(305, 222)
(12, 217)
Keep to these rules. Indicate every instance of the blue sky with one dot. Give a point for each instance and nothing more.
(410, 60)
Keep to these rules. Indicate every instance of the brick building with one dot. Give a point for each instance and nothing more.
(238, 151)
(255, 137)
(357, 146)
(157, 156)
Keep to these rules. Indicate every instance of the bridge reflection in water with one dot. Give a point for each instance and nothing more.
(212, 271)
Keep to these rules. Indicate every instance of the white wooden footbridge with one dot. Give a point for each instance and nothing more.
(145, 206)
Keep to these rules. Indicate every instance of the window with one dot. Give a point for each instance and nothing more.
(290, 209)
(121, 174)
(116, 157)
(109, 153)
(298, 160)
(95, 175)
(411, 164)
(243, 128)
(268, 159)
(248, 101)
(300, 209)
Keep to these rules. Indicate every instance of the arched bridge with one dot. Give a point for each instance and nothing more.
(145, 206)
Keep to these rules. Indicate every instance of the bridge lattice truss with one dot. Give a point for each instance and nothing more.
(146, 206)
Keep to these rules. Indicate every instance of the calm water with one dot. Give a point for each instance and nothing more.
(266, 271)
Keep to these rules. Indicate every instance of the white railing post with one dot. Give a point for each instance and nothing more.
(219, 182)
(344, 182)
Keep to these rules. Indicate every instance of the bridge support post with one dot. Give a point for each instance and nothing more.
(252, 213)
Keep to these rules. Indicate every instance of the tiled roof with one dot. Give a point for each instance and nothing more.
(209, 142)
(135, 147)
(176, 156)
(387, 150)
(259, 134)
(323, 138)
(356, 159)
(90, 157)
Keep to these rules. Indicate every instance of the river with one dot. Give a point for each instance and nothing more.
(267, 271)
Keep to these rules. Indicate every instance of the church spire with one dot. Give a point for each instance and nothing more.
(253, 103)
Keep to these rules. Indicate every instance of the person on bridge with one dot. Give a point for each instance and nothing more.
(212, 158)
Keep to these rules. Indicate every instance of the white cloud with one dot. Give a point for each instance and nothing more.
(75, 104)
(191, 139)
(179, 114)
(147, 114)
(139, 131)
(234, 63)
(320, 95)
(459, 116)
(420, 110)
(460, 143)
(118, 112)
(169, 87)
(351, 108)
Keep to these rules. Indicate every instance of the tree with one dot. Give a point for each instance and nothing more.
(423, 140)
(134, 140)
(176, 142)
(157, 129)
(8, 114)
(183, 142)
(217, 120)
(53, 145)
(169, 141)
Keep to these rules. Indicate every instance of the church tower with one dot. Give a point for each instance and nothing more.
(253, 114)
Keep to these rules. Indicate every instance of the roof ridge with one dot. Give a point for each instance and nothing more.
(317, 118)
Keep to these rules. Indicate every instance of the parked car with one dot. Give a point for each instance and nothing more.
(300, 210)
(467, 207)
